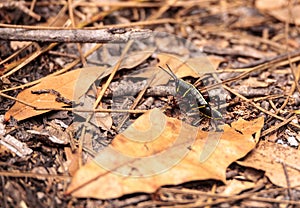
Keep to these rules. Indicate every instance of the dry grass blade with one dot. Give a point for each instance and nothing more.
(33, 175)
(219, 199)
(111, 76)
(136, 102)
(270, 130)
(63, 70)
(31, 58)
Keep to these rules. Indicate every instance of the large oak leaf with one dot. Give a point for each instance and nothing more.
(156, 151)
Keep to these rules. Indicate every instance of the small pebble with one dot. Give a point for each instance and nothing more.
(296, 96)
(292, 141)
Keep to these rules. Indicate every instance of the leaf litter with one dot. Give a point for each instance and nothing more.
(127, 165)
(265, 45)
(275, 159)
(192, 166)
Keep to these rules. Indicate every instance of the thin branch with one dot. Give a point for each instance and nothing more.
(33, 175)
(74, 35)
(61, 71)
(270, 130)
(98, 110)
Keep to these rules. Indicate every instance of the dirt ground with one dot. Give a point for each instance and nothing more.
(235, 59)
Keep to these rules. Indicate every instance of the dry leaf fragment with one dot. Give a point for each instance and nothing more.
(270, 157)
(70, 85)
(270, 4)
(104, 120)
(14, 145)
(184, 67)
(236, 186)
(281, 10)
(290, 15)
(73, 159)
(2, 125)
(134, 58)
(54, 132)
(157, 150)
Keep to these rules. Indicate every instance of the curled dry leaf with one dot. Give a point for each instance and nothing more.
(157, 150)
(271, 157)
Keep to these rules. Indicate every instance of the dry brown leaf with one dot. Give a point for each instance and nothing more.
(254, 82)
(131, 60)
(247, 22)
(54, 21)
(103, 120)
(143, 164)
(15, 45)
(182, 67)
(72, 160)
(234, 187)
(216, 60)
(251, 174)
(280, 10)
(194, 67)
(70, 85)
(136, 58)
(270, 4)
(269, 157)
(287, 15)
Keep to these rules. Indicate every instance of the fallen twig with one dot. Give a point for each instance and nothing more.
(74, 35)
